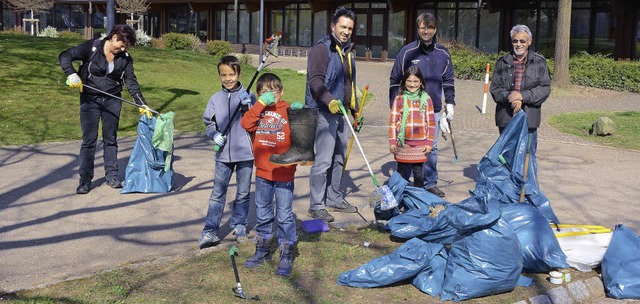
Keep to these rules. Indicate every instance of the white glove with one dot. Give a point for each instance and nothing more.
(444, 126)
(74, 79)
(219, 139)
(450, 111)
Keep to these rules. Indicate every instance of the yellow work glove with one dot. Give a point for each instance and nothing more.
(74, 81)
(334, 106)
(145, 110)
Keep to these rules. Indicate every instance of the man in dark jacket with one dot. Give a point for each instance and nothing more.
(106, 65)
(434, 61)
(331, 74)
(521, 82)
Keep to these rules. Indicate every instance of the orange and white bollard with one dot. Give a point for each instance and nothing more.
(486, 89)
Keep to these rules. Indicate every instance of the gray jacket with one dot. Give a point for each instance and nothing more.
(535, 88)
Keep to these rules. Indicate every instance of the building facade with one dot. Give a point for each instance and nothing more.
(609, 27)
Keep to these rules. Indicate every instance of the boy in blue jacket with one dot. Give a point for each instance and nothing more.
(235, 153)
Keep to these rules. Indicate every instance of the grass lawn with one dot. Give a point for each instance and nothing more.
(36, 106)
(627, 134)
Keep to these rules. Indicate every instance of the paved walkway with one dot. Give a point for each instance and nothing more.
(49, 234)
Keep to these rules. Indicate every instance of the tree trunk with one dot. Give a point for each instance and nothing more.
(561, 67)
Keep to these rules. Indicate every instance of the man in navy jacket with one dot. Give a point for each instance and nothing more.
(434, 62)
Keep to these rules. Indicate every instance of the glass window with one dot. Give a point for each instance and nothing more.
(8, 17)
(243, 22)
(526, 17)
(638, 37)
(290, 25)
(396, 34)
(547, 36)
(489, 23)
(379, 5)
(221, 28)
(604, 41)
(276, 24)
(361, 25)
(376, 25)
(467, 26)
(446, 22)
(255, 28)
(304, 32)
(361, 5)
(232, 25)
(319, 25)
(579, 30)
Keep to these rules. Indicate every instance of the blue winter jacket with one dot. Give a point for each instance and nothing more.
(435, 64)
(216, 116)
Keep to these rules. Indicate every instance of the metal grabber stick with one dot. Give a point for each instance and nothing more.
(272, 42)
(119, 98)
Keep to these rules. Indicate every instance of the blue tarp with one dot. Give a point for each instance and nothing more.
(621, 265)
(149, 168)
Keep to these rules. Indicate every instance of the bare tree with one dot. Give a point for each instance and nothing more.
(33, 6)
(132, 7)
(563, 34)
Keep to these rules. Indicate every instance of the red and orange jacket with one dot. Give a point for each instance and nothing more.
(421, 127)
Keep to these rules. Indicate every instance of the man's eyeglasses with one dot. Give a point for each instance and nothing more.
(514, 41)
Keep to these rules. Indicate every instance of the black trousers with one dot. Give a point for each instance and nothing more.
(405, 170)
(94, 108)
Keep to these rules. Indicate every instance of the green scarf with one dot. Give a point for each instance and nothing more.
(405, 110)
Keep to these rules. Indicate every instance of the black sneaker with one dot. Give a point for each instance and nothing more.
(435, 190)
(343, 207)
(83, 188)
(114, 182)
(322, 214)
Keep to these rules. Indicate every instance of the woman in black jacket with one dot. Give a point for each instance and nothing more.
(105, 66)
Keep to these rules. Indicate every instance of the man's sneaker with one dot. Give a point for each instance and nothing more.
(83, 188)
(343, 207)
(208, 239)
(322, 214)
(114, 182)
(435, 190)
(240, 233)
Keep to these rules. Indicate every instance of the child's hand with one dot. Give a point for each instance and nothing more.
(267, 99)
(244, 97)
(219, 139)
(427, 149)
(393, 148)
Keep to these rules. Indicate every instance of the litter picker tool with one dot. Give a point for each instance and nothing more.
(120, 98)
(364, 96)
(272, 43)
(453, 142)
(237, 290)
(525, 171)
(387, 199)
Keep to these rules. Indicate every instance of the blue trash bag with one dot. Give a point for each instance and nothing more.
(621, 265)
(483, 262)
(430, 280)
(148, 170)
(506, 178)
(541, 251)
(410, 259)
(473, 213)
(420, 223)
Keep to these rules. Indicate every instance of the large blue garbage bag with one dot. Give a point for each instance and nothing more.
(431, 279)
(473, 213)
(483, 262)
(507, 179)
(423, 224)
(149, 169)
(541, 251)
(410, 259)
(408, 198)
(621, 265)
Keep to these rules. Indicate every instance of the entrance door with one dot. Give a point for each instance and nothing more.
(369, 33)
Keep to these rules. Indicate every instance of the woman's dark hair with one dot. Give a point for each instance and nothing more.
(124, 33)
(231, 61)
(343, 12)
(411, 71)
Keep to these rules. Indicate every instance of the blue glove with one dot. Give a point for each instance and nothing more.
(244, 97)
(219, 139)
(267, 98)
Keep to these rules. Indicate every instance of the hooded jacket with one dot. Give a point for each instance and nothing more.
(216, 116)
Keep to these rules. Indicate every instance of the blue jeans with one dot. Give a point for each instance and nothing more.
(325, 175)
(284, 216)
(429, 168)
(92, 109)
(240, 206)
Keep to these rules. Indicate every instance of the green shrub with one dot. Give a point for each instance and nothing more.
(218, 47)
(179, 41)
(13, 32)
(469, 63)
(602, 72)
(157, 43)
(70, 35)
(49, 31)
(246, 59)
